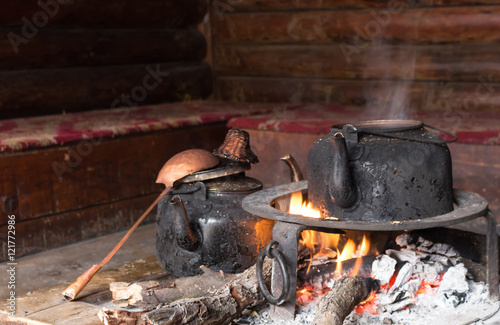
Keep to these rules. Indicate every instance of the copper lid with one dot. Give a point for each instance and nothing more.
(236, 147)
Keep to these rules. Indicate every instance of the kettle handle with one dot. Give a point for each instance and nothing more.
(443, 131)
(389, 135)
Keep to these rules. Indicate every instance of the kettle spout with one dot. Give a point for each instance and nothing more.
(295, 172)
(187, 238)
(342, 188)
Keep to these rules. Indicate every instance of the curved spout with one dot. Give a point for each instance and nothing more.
(342, 188)
(295, 172)
(186, 237)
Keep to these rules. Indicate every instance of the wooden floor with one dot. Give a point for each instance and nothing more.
(41, 278)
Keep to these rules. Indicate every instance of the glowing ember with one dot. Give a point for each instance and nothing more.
(369, 305)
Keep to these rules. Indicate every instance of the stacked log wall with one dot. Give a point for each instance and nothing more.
(438, 56)
(63, 56)
(59, 56)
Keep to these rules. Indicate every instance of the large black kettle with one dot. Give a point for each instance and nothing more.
(383, 170)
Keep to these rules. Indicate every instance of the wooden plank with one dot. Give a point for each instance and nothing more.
(94, 13)
(5, 319)
(47, 305)
(478, 24)
(55, 48)
(222, 7)
(426, 62)
(421, 95)
(54, 91)
(122, 168)
(476, 168)
(70, 313)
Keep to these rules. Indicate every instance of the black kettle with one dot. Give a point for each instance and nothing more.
(383, 170)
(201, 221)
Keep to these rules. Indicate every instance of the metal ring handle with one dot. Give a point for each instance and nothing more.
(272, 252)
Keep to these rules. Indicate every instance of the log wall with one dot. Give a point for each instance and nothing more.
(63, 56)
(60, 56)
(423, 55)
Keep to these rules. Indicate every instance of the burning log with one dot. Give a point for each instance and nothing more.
(346, 294)
(218, 308)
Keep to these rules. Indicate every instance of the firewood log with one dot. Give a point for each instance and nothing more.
(221, 307)
(149, 294)
(339, 302)
(120, 317)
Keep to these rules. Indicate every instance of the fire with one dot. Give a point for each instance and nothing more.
(322, 244)
(325, 245)
(328, 246)
(300, 207)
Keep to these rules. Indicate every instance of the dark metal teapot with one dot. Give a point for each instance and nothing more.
(201, 221)
(386, 170)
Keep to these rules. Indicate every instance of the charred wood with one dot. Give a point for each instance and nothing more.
(149, 294)
(338, 303)
(220, 307)
(328, 267)
(120, 317)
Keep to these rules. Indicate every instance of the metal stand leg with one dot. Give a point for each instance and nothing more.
(287, 235)
(492, 256)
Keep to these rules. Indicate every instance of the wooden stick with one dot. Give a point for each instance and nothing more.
(76, 287)
(339, 302)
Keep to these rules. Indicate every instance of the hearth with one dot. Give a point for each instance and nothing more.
(360, 179)
(288, 228)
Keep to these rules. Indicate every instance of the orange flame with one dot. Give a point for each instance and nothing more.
(325, 244)
(300, 207)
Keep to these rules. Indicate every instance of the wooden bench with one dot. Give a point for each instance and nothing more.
(71, 177)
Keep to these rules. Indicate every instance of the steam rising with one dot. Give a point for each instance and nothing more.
(389, 97)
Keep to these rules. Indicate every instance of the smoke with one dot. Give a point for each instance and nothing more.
(392, 68)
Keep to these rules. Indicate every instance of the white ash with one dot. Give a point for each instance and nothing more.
(443, 259)
(404, 255)
(399, 299)
(404, 275)
(454, 288)
(457, 300)
(424, 245)
(428, 272)
(424, 310)
(430, 310)
(404, 240)
(383, 268)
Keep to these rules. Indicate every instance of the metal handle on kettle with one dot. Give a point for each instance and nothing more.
(443, 131)
(389, 135)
